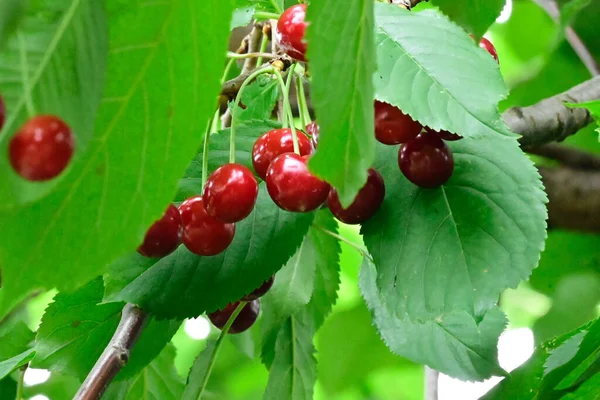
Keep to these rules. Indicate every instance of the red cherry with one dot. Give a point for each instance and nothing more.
(245, 319)
(367, 201)
(42, 148)
(449, 136)
(290, 31)
(164, 235)
(2, 112)
(313, 131)
(230, 193)
(203, 234)
(426, 161)
(274, 143)
(392, 126)
(260, 291)
(489, 47)
(291, 185)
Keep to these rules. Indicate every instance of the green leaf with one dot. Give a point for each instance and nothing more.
(242, 16)
(161, 94)
(57, 387)
(475, 16)
(245, 136)
(294, 370)
(11, 364)
(197, 377)
(55, 40)
(341, 57)
(453, 343)
(557, 367)
(587, 391)
(8, 388)
(593, 107)
(186, 285)
(14, 339)
(158, 381)
(570, 10)
(262, 5)
(440, 76)
(75, 330)
(258, 99)
(11, 11)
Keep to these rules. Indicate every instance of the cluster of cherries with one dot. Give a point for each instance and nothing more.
(41, 149)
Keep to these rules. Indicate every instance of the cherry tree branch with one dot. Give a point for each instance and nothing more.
(568, 156)
(115, 355)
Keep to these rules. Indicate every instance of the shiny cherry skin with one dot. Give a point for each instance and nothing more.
(260, 291)
(274, 143)
(291, 185)
(164, 235)
(449, 136)
(245, 319)
(392, 126)
(2, 112)
(42, 149)
(203, 234)
(367, 201)
(426, 161)
(230, 193)
(489, 47)
(290, 31)
(313, 131)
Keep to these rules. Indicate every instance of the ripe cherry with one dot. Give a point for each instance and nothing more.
(489, 47)
(274, 143)
(313, 131)
(2, 112)
(367, 201)
(260, 291)
(164, 235)
(392, 126)
(42, 148)
(202, 234)
(426, 161)
(290, 31)
(291, 185)
(230, 193)
(245, 319)
(449, 136)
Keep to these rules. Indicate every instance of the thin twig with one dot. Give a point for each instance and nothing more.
(552, 9)
(256, 55)
(116, 354)
(432, 378)
(568, 156)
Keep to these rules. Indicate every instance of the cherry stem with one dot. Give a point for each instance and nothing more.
(302, 104)
(268, 15)
(213, 356)
(260, 55)
(227, 69)
(25, 77)
(363, 252)
(236, 106)
(287, 107)
(262, 50)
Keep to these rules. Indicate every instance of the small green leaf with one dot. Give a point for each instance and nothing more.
(475, 16)
(341, 55)
(242, 17)
(11, 364)
(75, 330)
(186, 285)
(440, 76)
(158, 381)
(258, 99)
(197, 377)
(262, 5)
(15, 338)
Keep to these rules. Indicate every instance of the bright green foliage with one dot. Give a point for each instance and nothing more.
(441, 66)
(158, 381)
(11, 12)
(558, 367)
(263, 242)
(198, 376)
(475, 16)
(593, 107)
(159, 97)
(75, 330)
(341, 55)
(16, 340)
(9, 365)
(259, 99)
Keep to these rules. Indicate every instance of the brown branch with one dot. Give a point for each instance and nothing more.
(569, 156)
(550, 120)
(572, 37)
(115, 355)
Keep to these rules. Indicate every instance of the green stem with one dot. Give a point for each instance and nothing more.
(236, 105)
(20, 382)
(268, 15)
(302, 104)
(25, 77)
(213, 356)
(227, 69)
(288, 108)
(263, 49)
(363, 252)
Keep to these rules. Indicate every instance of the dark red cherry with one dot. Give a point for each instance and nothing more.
(274, 143)
(42, 148)
(2, 112)
(164, 235)
(426, 161)
(313, 131)
(230, 193)
(202, 234)
(392, 126)
(260, 291)
(290, 31)
(449, 136)
(245, 319)
(367, 201)
(489, 47)
(291, 185)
